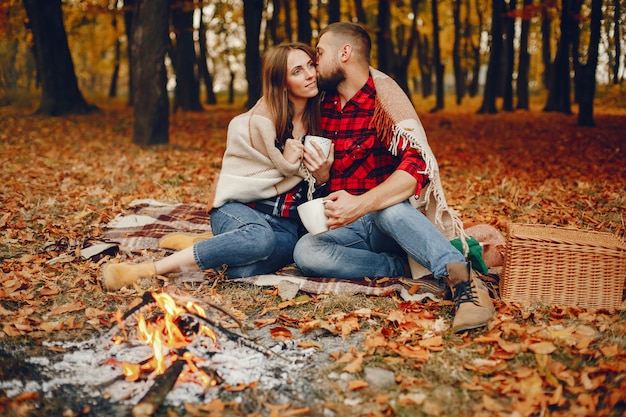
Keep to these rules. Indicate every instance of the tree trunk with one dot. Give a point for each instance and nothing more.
(252, 16)
(148, 43)
(475, 50)
(385, 47)
(203, 69)
(546, 45)
(424, 61)
(288, 24)
(495, 59)
(117, 58)
(360, 11)
(459, 74)
(334, 11)
(129, 10)
(187, 92)
(575, 48)
(559, 94)
(303, 7)
(439, 68)
(509, 56)
(59, 86)
(588, 76)
(274, 22)
(617, 37)
(524, 59)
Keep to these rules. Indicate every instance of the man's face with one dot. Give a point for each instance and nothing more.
(329, 71)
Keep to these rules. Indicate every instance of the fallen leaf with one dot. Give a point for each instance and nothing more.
(357, 384)
(68, 308)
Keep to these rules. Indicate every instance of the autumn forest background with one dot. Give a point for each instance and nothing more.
(107, 102)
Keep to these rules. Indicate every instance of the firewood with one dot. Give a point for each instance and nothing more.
(155, 396)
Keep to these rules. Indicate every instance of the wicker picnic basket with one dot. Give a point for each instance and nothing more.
(563, 266)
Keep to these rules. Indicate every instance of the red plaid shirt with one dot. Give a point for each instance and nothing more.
(362, 160)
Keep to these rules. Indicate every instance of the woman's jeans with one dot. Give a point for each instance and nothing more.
(377, 245)
(248, 241)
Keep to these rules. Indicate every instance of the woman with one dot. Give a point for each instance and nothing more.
(254, 218)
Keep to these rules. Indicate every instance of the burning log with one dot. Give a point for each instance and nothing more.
(163, 383)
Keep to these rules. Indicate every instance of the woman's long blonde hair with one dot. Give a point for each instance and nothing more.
(274, 70)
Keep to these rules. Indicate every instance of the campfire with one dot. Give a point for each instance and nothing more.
(168, 334)
(169, 350)
(181, 339)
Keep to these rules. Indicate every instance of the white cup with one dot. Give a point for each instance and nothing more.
(313, 217)
(320, 141)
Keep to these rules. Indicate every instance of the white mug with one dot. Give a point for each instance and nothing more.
(313, 217)
(320, 141)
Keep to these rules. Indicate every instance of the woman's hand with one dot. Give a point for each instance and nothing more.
(317, 164)
(294, 150)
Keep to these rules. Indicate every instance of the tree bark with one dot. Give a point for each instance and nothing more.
(187, 92)
(423, 58)
(360, 11)
(524, 59)
(129, 11)
(617, 18)
(546, 45)
(475, 51)
(385, 47)
(303, 8)
(334, 11)
(509, 56)
(559, 94)
(252, 16)
(149, 40)
(59, 86)
(117, 58)
(439, 67)
(588, 76)
(203, 69)
(495, 58)
(459, 74)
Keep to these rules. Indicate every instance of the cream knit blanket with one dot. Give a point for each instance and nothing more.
(395, 118)
(253, 168)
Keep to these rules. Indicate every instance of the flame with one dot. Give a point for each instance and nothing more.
(131, 371)
(165, 337)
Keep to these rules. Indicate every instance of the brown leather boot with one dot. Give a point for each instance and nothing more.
(116, 276)
(473, 305)
(180, 240)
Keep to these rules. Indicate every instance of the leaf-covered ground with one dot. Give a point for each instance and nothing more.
(62, 179)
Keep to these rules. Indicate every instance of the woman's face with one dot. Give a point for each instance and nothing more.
(301, 76)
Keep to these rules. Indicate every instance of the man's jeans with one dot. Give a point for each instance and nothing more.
(247, 240)
(377, 245)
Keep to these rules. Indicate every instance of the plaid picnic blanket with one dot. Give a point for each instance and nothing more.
(146, 221)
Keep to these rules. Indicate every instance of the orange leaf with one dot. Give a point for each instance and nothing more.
(543, 348)
(357, 384)
(67, 308)
(264, 322)
(354, 366)
(281, 333)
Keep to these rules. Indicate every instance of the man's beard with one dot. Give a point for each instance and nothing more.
(330, 82)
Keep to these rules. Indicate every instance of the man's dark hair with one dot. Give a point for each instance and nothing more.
(353, 33)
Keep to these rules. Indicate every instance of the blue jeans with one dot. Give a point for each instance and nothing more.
(377, 245)
(247, 240)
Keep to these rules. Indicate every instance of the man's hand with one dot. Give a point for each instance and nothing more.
(343, 208)
(317, 164)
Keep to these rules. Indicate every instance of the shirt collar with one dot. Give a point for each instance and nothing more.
(366, 93)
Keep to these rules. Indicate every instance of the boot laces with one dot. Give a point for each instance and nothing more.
(464, 293)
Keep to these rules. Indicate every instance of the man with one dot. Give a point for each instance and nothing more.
(380, 167)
